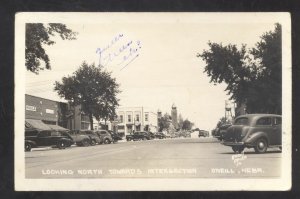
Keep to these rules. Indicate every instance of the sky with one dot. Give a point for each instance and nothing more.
(161, 68)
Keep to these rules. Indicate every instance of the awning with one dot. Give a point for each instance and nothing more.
(37, 124)
(56, 127)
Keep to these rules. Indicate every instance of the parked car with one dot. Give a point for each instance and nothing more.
(203, 133)
(151, 135)
(219, 132)
(80, 138)
(42, 138)
(115, 136)
(105, 137)
(138, 135)
(258, 131)
(160, 136)
(92, 135)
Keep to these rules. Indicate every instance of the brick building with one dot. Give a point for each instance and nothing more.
(55, 114)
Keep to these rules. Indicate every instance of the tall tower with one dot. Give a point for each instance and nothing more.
(228, 113)
(159, 114)
(174, 116)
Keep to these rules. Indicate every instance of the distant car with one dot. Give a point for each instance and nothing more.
(138, 135)
(80, 138)
(203, 133)
(115, 136)
(105, 137)
(160, 136)
(258, 131)
(41, 138)
(151, 135)
(95, 139)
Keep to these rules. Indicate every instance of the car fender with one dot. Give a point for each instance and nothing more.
(67, 140)
(33, 143)
(252, 138)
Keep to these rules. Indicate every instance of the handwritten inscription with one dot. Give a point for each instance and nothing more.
(238, 159)
(119, 52)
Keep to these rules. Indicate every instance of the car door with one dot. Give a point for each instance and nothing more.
(102, 135)
(55, 136)
(43, 138)
(264, 124)
(277, 130)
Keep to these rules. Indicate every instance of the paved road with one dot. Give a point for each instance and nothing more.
(170, 158)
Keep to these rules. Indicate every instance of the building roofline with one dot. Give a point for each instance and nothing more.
(45, 98)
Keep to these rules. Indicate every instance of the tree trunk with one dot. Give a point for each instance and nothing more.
(91, 121)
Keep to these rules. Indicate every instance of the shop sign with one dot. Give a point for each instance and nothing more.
(30, 108)
(50, 111)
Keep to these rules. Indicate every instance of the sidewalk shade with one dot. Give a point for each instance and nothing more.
(56, 127)
(36, 124)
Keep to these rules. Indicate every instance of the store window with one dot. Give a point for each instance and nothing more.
(137, 117)
(146, 117)
(121, 118)
(129, 118)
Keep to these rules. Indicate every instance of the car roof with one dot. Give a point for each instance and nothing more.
(254, 117)
(259, 115)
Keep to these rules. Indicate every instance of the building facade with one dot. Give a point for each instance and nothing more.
(37, 108)
(131, 119)
(54, 113)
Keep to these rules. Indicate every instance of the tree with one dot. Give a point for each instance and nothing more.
(187, 125)
(164, 122)
(37, 35)
(92, 88)
(180, 121)
(253, 76)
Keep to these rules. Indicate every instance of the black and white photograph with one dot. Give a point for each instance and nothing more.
(152, 101)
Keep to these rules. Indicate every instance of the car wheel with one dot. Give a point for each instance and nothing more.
(261, 145)
(238, 149)
(128, 139)
(61, 145)
(28, 147)
(106, 141)
(85, 142)
(93, 142)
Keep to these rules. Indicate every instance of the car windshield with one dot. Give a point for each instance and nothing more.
(241, 121)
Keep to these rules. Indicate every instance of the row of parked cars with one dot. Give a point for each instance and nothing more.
(61, 139)
(144, 135)
(257, 131)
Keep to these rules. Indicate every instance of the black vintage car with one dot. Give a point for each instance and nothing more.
(115, 136)
(138, 135)
(160, 136)
(258, 131)
(203, 133)
(42, 138)
(221, 131)
(151, 135)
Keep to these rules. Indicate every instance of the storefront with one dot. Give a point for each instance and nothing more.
(39, 109)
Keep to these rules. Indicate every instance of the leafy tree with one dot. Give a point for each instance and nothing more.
(187, 125)
(164, 122)
(92, 88)
(253, 76)
(37, 35)
(180, 121)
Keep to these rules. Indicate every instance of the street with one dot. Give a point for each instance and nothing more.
(168, 158)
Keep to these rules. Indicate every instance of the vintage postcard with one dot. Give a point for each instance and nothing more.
(152, 101)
